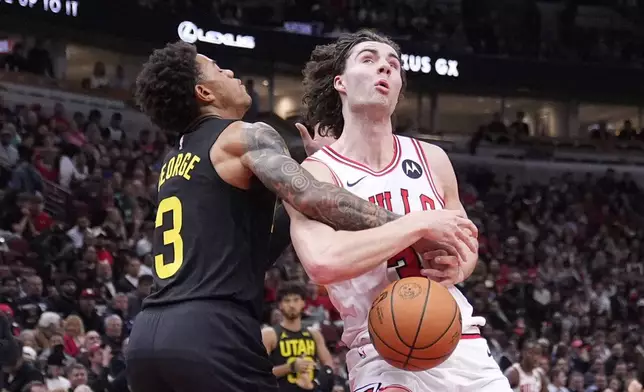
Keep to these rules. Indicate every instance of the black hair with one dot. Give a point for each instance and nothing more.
(165, 88)
(290, 288)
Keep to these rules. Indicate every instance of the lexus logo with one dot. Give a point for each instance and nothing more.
(190, 33)
(412, 169)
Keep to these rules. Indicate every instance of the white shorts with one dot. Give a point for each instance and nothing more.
(468, 369)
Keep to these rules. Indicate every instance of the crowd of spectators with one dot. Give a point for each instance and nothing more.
(560, 262)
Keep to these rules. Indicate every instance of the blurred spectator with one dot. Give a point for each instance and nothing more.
(99, 79)
(17, 61)
(39, 60)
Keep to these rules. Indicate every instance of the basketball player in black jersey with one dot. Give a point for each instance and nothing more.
(295, 351)
(200, 330)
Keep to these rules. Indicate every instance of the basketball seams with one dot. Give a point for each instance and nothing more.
(393, 314)
(374, 333)
(456, 312)
(420, 322)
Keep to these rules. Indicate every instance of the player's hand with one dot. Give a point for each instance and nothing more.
(303, 365)
(312, 145)
(442, 267)
(450, 231)
(304, 381)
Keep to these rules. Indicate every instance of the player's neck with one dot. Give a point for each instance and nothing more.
(229, 113)
(367, 140)
(292, 325)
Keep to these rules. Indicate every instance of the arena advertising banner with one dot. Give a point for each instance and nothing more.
(189, 32)
(100, 22)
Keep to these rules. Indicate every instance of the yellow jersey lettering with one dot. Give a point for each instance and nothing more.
(170, 170)
(162, 176)
(195, 159)
(184, 164)
(178, 166)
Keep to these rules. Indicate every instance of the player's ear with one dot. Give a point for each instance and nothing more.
(204, 94)
(338, 84)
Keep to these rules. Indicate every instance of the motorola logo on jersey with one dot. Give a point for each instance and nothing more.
(412, 169)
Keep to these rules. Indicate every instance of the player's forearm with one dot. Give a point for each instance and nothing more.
(268, 158)
(336, 256)
(281, 370)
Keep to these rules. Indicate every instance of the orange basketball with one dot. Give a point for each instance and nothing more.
(415, 324)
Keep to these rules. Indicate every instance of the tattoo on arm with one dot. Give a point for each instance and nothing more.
(268, 157)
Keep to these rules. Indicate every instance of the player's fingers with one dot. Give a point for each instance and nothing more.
(466, 224)
(466, 240)
(449, 261)
(433, 274)
(304, 132)
(432, 254)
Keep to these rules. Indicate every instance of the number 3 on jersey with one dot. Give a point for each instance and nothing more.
(172, 236)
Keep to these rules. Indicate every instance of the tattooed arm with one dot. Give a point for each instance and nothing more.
(267, 156)
(327, 254)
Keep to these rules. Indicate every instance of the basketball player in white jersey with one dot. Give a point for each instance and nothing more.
(352, 88)
(527, 376)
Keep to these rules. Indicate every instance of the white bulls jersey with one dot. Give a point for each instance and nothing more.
(405, 185)
(528, 382)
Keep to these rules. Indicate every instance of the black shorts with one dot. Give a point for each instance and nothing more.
(198, 346)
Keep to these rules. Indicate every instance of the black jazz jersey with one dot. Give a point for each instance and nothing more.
(211, 239)
(290, 346)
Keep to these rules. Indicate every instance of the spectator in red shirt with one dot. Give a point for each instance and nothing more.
(39, 218)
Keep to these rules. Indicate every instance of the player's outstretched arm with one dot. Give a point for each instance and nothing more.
(330, 256)
(266, 155)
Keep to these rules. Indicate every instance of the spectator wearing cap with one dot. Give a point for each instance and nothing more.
(55, 370)
(32, 305)
(8, 313)
(87, 310)
(135, 298)
(66, 303)
(20, 373)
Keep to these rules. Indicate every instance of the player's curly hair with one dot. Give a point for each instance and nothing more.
(165, 88)
(322, 101)
(290, 288)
